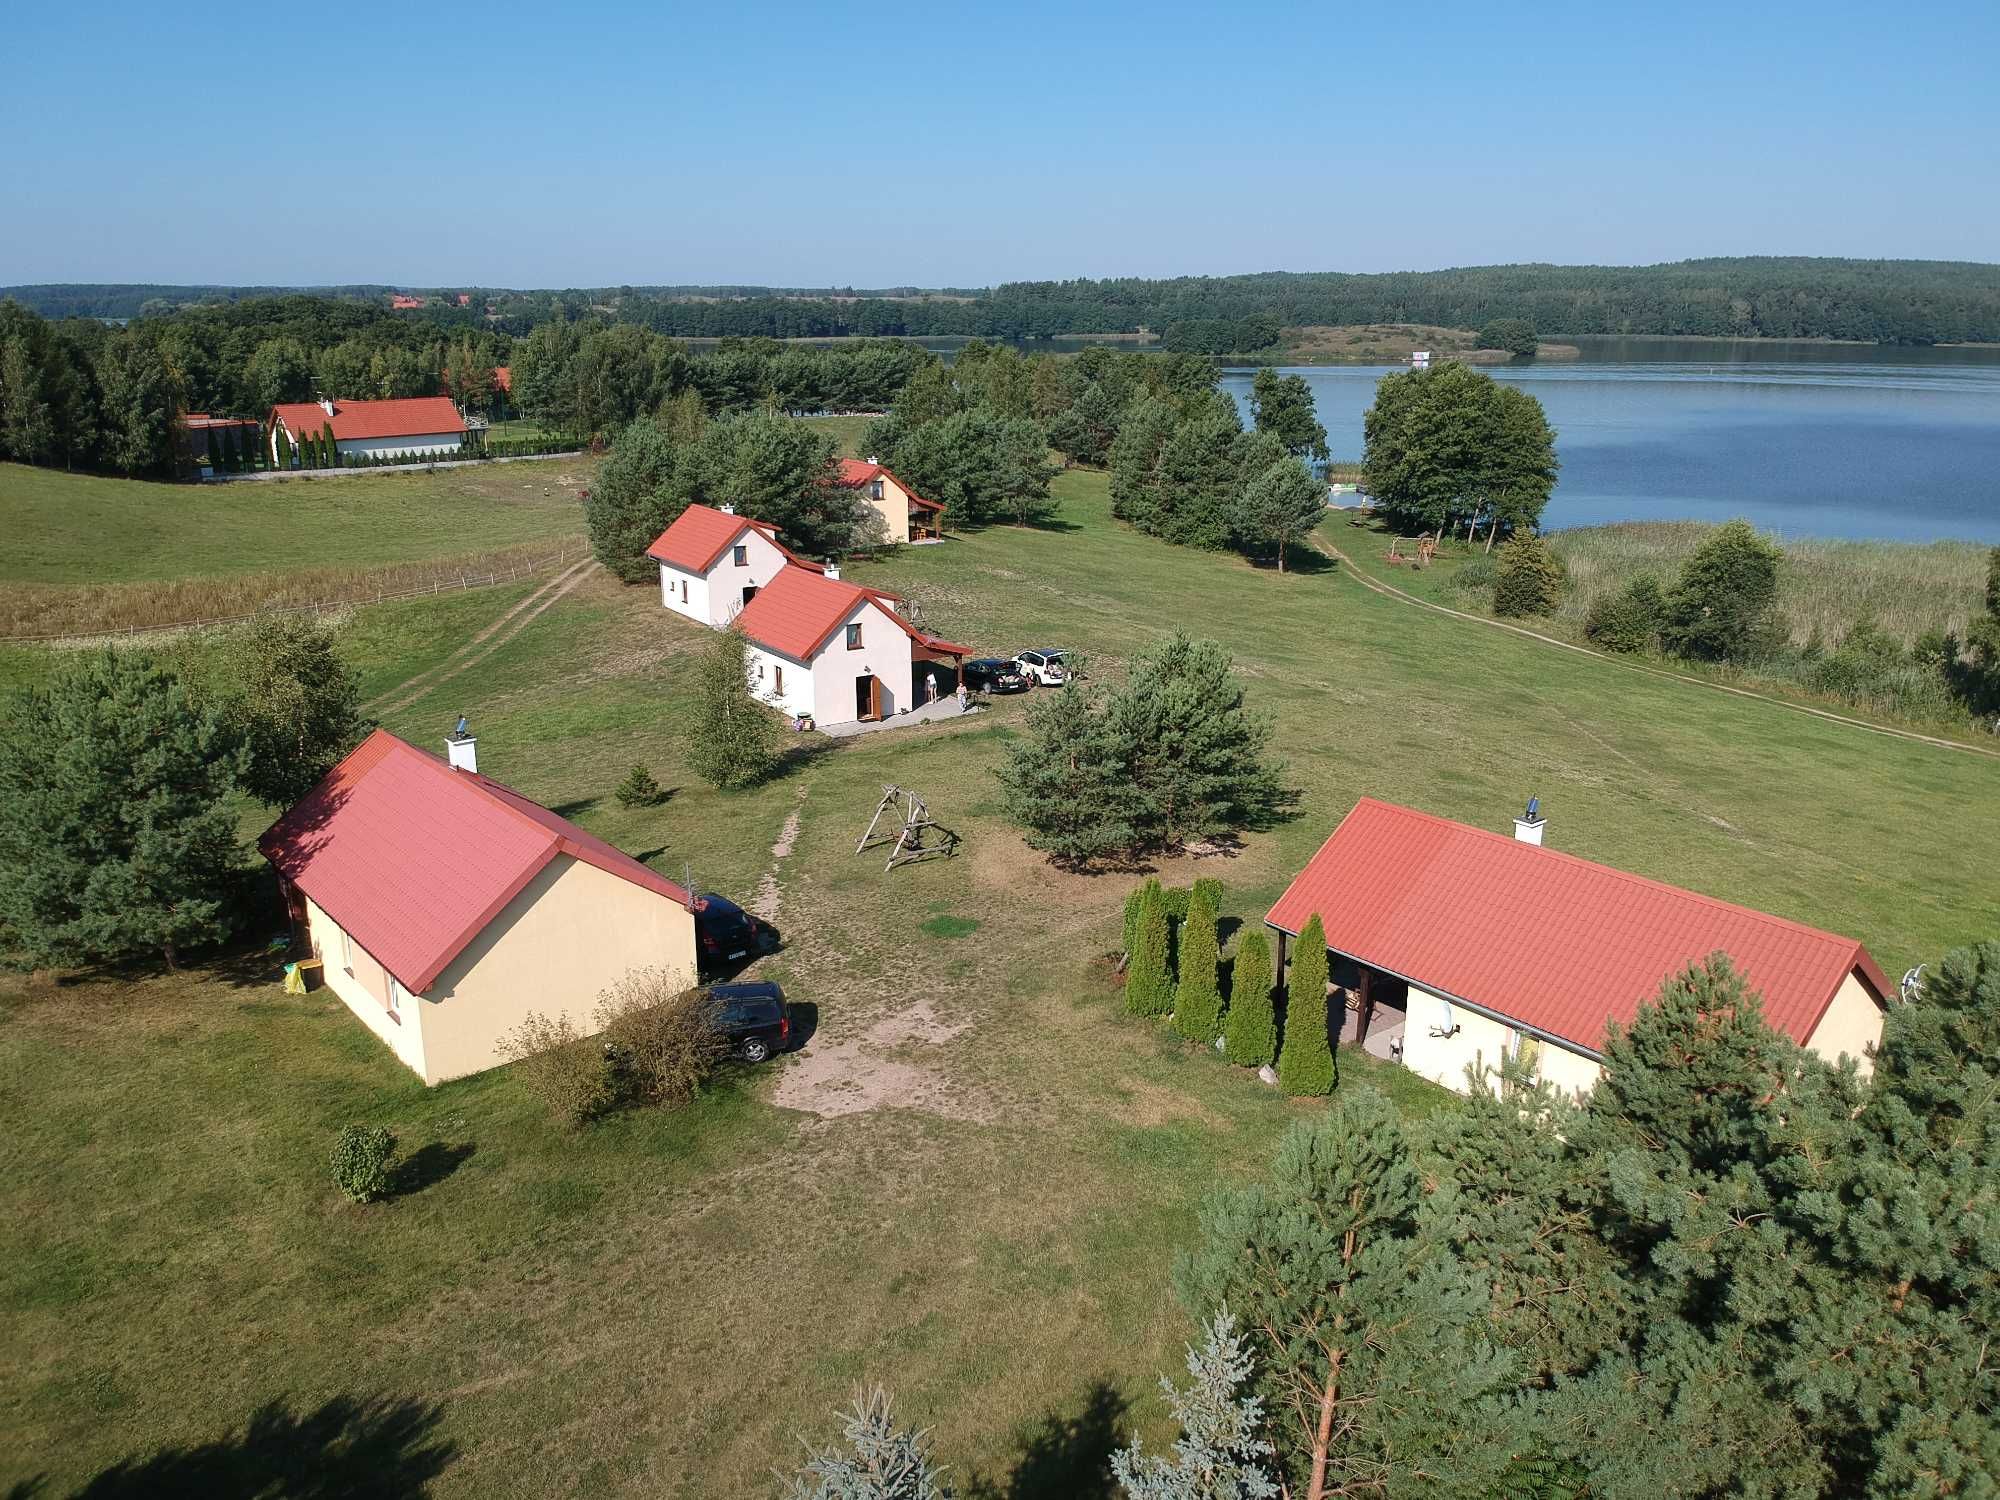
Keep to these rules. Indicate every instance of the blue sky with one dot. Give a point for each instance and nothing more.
(933, 145)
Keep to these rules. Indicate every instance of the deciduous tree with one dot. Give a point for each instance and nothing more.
(1282, 405)
(1719, 608)
(731, 738)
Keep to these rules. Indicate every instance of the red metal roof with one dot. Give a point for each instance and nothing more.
(413, 858)
(1542, 937)
(853, 473)
(700, 535)
(797, 612)
(413, 416)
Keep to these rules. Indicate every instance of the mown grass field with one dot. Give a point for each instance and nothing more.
(972, 1182)
(86, 529)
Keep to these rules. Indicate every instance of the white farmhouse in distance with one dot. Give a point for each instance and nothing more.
(713, 562)
(371, 429)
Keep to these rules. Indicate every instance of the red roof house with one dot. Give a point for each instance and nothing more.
(1490, 940)
(445, 906)
(836, 651)
(713, 562)
(401, 428)
(906, 515)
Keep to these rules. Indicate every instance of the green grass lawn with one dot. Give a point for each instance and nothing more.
(83, 528)
(846, 429)
(659, 1306)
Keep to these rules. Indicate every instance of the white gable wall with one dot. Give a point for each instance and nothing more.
(884, 653)
(716, 597)
(780, 681)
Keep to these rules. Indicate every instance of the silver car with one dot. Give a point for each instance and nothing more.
(1048, 667)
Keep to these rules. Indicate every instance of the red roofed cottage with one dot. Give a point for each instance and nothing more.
(712, 562)
(905, 514)
(446, 907)
(1453, 947)
(394, 429)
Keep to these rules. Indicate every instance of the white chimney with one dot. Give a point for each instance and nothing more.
(461, 749)
(833, 571)
(326, 405)
(727, 508)
(1528, 827)
(872, 459)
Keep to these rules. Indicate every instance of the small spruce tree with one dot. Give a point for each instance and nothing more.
(1148, 986)
(880, 1461)
(1197, 1001)
(1305, 1063)
(1250, 1039)
(639, 789)
(1221, 1453)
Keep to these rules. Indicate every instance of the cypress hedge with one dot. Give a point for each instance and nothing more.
(1197, 1002)
(1148, 986)
(1250, 1037)
(1305, 1063)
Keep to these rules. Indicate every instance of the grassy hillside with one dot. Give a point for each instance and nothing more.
(83, 528)
(971, 1183)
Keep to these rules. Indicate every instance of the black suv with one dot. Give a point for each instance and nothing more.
(754, 1017)
(726, 934)
(991, 675)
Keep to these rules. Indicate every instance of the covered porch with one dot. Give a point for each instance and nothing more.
(926, 521)
(1366, 1007)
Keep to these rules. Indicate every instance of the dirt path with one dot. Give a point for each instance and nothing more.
(483, 645)
(1390, 591)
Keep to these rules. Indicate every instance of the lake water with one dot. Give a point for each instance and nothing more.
(1801, 439)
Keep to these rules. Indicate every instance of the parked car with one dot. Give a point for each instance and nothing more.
(726, 934)
(992, 675)
(754, 1017)
(1048, 667)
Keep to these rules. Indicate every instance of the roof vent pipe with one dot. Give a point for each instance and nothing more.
(461, 749)
(833, 571)
(1528, 827)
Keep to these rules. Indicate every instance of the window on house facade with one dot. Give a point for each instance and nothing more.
(777, 678)
(875, 490)
(346, 953)
(394, 1002)
(684, 591)
(854, 637)
(742, 556)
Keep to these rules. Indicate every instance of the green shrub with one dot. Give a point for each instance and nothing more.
(1211, 887)
(1176, 897)
(638, 789)
(363, 1162)
(1305, 1064)
(1721, 606)
(1250, 1036)
(569, 1074)
(1134, 904)
(1515, 335)
(660, 1037)
(1477, 573)
(1197, 1001)
(1529, 577)
(1630, 619)
(1148, 987)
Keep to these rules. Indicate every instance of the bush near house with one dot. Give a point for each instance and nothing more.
(1197, 1000)
(660, 1037)
(1630, 619)
(1529, 577)
(1148, 986)
(566, 1072)
(1250, 1033)
(363, 1162)
(1305, 1064)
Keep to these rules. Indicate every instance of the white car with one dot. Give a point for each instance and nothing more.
(1049, 668)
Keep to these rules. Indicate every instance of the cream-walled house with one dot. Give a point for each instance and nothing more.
(906, 515)
(445, 907)
(1453, 947)
(713, 562)
(839, 652)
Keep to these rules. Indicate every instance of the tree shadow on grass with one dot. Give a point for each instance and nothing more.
(799, 755)
(575, 808)
(1301, 557)
(385, 1448)
(1064, 1454)
(428, 1166)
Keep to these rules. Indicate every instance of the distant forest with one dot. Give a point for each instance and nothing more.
(1885, 301)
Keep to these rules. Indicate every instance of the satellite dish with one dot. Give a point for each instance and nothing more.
(1912, 987)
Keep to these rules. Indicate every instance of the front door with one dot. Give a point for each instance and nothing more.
(867, 697)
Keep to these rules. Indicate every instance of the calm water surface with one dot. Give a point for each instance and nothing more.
(1804, 439)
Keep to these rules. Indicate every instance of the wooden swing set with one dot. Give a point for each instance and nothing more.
(919, 836)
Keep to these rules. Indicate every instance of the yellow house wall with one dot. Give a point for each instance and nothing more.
(893, 508)
(360, 991)
(1571, 1072)
(1480, 1042)
(1851, 1025)
(571, 934)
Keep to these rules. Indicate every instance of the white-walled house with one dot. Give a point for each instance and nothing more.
(1453, 947)
(713, 562)
(840, 652)
(446, 907)
(367, 429)
(906, 515)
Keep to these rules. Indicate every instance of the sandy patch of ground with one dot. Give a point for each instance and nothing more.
(765, 902)
(832, 1079)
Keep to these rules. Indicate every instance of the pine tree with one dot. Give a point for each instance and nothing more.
(1250, 1036)
(642, 486)
(1221, 1453)
(1063, 780)
(1373, 1351)
(1148, 986)
(732, 739)
(117, 829)
(881, 1461)
(1197, 1001)
(1305, 1064)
